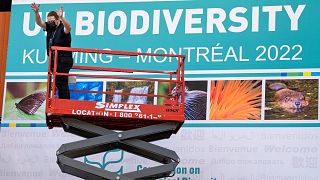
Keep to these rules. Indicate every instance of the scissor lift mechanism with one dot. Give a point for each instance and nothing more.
(148, 122)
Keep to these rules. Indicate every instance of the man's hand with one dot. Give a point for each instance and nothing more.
(60, 12)
(35, 7)
(67, 26)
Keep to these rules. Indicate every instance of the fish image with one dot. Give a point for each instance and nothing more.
(31, 103)
(289, 100)
(90, 86)
(235, 100)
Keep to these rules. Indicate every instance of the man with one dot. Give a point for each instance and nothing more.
(58, 34)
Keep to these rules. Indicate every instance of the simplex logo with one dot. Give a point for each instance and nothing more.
(118, 107)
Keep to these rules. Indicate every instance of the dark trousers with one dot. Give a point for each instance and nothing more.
(64, 66)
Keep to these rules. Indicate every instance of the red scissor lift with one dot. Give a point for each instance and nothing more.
(117, 125)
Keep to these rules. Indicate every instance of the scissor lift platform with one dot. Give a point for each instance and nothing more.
(100, 122)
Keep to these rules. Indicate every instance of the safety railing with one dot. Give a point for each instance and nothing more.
(173, 76)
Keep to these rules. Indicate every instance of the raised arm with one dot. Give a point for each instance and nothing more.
(35, 8)
(67, 26)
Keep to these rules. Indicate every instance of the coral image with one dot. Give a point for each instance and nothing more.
(235, 100)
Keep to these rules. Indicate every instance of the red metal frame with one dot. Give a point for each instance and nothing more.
(117, 116)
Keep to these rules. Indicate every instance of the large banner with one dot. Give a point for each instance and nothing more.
(227, 35)
(251, 65)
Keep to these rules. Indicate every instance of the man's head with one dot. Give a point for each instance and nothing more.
(53, 18)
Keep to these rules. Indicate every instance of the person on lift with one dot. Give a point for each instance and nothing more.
(58, 34)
